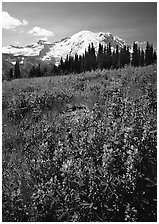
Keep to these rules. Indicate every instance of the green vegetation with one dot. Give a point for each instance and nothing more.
(81, 147)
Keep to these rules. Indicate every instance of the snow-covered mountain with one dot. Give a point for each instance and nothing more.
(29, 50)
(77, 43)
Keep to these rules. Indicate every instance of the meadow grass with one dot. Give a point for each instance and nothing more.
(81, 147)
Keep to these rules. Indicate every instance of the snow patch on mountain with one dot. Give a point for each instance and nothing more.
(79, 42)
(76, 44)
(30, 50)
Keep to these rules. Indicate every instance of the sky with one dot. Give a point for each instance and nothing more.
(26, 22)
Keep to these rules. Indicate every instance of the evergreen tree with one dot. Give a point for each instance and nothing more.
(62, 65)
(135, 55)
(108, 57)
(100, 57)
(38, 72)
(89, 58)
(105, 57)
(67, 65)
(142, 58)
(116, 58)
(92, 58)
(55, 70)
(81, 62)
(32, 72)
(45, 71)
(139, 56)
(11, 73)
(86, 61)
(149, 54)
(154, 57)
(76, 64)
(113, 59)
(127, 56)
(17, 70)
(124, 56)
(122, 62)
(71, 64)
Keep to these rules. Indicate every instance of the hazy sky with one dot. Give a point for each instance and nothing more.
(26, 22)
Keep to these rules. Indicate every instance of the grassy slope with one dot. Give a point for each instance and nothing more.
(32, 105)
(47, 83)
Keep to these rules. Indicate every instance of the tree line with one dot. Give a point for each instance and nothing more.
(104, 59)
(107, 59)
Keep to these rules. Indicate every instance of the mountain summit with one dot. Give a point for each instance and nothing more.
(77, 43)
(50, 53)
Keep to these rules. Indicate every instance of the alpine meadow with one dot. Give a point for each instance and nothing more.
(79, 114)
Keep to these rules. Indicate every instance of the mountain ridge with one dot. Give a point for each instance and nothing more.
(76, 43)
(50, 53)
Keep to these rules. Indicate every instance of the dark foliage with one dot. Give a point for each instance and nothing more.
(17, 70)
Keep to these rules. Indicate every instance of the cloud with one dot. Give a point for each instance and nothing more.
(10, 23)
(44, 38)
(41, 32)
(25, 22)
(17, 42)
(21, 31)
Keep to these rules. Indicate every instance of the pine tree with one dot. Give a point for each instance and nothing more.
(105, 57)
(108, 57)
(154, 57)
(124, 56)
(135, 55)
(116, 58)
(32, 72)
(139, 52)
(92, 58)
(11, 73)
(61, 65)
(142, 58)
(76, 64)
(17, 70)
(88, 58)
(113, 59)
(149, 54)
(87, 61)
(55, 70)
(71, 63)
(45, 71)
(81, 62)
(100, 56)
(127, 56)
(121, 57)
(67, 65)
(38, 72)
